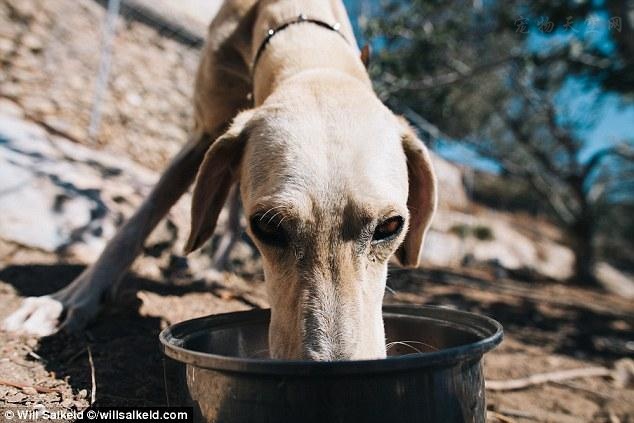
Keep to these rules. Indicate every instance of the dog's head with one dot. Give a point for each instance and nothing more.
(332, 184)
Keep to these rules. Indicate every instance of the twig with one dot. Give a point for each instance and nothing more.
(540, 378)
(39, 389)
(614, 418)
(516, 413)
(93, 389)
(500, 417)
(36, 356)
(540, 415)
(578, 387)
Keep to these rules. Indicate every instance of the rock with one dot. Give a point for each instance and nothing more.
(57, 195)
(65, 198)
(449, 177)
(614, 280)
(624, 373)
(30, 199)
(509, 247)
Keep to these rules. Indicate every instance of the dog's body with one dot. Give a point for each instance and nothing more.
(323, 168)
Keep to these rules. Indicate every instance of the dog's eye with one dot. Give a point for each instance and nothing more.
(388, 229)
(268, 230)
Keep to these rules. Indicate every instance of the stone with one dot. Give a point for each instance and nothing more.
(449, 177)
(614, 280)
(509, 248)
(54, 195)
(624, 373)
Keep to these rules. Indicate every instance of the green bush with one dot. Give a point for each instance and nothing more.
(480, 232)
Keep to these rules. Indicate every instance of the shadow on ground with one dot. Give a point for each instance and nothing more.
(128, 362)
(575, 328)
(124, 344)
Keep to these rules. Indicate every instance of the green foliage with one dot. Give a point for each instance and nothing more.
(480, 232)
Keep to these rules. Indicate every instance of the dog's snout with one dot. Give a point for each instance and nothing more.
(324, 341)
(328, 325)
(325, 356)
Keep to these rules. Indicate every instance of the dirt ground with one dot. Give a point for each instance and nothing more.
(548, 327)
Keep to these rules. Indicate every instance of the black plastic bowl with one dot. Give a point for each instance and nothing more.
(211, 363)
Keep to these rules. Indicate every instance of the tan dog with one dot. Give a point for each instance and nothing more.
(331, 181)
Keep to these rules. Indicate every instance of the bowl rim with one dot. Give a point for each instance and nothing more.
(489, 329)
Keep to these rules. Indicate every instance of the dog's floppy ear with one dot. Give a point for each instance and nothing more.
(218, 172)
(421, 200)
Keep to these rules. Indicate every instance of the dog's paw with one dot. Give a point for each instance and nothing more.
(36, 316)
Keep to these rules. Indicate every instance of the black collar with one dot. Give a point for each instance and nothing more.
(300, 19)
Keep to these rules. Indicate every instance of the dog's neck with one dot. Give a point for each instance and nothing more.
(304, 46)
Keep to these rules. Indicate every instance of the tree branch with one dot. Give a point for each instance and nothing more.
(456, 76)
(541, 157)
(423, 124)
(620, 150)
(563, 137)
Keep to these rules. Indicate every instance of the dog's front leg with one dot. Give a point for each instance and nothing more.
(76, 304)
